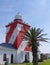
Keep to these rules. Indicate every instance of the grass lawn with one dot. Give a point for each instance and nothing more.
(45, 62)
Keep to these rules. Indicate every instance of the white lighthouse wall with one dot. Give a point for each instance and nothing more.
(8, 55)
(30, 56)
(20, 57)
(17, 57)
(39, 55)
(1, 59)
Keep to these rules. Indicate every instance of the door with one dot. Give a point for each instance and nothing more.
(11, 58)
(27, 57)
(4, 57)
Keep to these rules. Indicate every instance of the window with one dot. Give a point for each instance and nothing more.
(27, 57)
(4, 57)
(11, 58)
(19, 27)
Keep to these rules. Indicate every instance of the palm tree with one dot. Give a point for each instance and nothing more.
(35, 35)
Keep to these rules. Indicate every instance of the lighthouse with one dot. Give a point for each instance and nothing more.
(15, 32)
(16, 49)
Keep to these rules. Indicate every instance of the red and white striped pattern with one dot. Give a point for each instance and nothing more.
(14, 34)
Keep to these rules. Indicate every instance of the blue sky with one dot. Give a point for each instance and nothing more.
(34, 12)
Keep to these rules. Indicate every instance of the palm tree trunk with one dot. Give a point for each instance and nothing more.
(35, 59)
(35, 56)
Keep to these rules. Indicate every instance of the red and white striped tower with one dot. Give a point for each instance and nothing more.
(15, 30)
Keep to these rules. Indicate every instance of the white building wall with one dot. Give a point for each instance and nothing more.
(30, 56)
(17, 57)
(39, 55)
(1, 59)
(8, 55)
(20, 57)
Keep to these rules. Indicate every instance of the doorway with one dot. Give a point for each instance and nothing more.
(27, 57)
(4, 57)
(11, 58)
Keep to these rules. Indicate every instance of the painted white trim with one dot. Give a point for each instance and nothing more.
(14, 34)
(22, 46)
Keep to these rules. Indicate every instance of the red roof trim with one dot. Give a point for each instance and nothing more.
(16, 21)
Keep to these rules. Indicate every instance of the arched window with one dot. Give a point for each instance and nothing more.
(11, 58)
(27, 57)
(4, 57)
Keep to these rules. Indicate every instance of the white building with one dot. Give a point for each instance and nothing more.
(7, 51)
